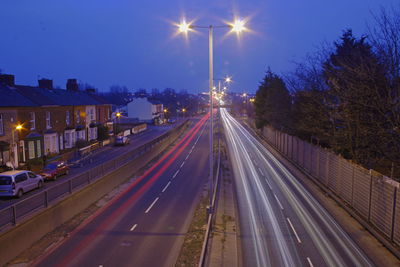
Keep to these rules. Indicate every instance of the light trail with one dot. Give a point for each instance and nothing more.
(333, 246)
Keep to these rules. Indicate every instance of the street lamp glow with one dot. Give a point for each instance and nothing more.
(118, 114)
(184, 27)
(165, 110)
(238, 26)
(18, 127)
(228, 79)
(184, 110)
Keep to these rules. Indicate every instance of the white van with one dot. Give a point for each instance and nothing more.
(16, 183)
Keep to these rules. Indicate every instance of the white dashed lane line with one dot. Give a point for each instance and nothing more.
(269, 185)
(133, 227)
(309, 262)
(279, 203)
(165, 188)
(176, 173)
(152, 204)
(294, 230)
(259, 169)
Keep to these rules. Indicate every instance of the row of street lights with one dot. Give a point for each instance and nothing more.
(238, 26)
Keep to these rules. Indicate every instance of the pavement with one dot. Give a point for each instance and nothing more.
(281, 222)
(145, 225)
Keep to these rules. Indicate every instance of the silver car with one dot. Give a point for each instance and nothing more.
(16, 183)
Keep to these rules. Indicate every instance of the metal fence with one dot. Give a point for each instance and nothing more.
(373, 196)
(17, 212)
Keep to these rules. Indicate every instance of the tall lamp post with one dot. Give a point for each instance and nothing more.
(18, 127)
(237, 26)
(117, 116)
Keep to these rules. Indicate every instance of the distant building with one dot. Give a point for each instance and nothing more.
(146, 110)
(52, 119)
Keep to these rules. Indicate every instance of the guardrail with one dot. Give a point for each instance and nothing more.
(19, 211)
(211, 215)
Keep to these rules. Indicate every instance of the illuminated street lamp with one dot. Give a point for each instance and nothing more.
(117, 116)
(17, 127)
(237, 26)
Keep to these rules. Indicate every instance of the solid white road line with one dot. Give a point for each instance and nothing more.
(183, 163)
(152, 204)
(187, 156)
(176, 173)
(279, 203)
(309, 262)
(294, 231)
(165, 188)
(261, 171)
(269, 185)
(133, 227)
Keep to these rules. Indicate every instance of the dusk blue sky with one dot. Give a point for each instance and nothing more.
(132, 43)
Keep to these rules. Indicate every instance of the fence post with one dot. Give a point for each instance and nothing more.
(298, 151)
(88, 177)
(304, 155)
(327, 169)
(311, 161)
(393, 213)
(352, 186)
(46, 199)
(370, 195)
(14, 211)
(70, 186)
(292, 147)
(317, 172)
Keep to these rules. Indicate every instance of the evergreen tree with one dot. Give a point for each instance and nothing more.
(273, 103)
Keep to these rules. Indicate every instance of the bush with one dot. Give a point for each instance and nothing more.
(102, 133)
(82, 143)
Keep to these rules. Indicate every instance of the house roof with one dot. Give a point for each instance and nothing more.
(29, 96)
(10, 97)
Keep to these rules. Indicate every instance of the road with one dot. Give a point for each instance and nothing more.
(145, 224)
(281, 223)
(99, 157)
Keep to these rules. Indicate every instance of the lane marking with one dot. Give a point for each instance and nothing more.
(165, 188)
(309, 262)
(187, 157)
(269, 185)
(133, 227)
(261, 171)
(183, 163)
(152, 204)
(176, 173)
(294, 230)
(279, 203)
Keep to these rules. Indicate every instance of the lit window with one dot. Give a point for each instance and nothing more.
(48, 120)
(33, 120)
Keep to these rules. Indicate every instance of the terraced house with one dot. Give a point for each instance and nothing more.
(52, 120)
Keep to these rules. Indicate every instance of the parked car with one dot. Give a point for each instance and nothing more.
(121, 140)
(54, 169)
(16, 183)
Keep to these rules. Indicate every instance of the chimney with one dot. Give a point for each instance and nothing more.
(46, 83)
(72, 85)
(7, 79)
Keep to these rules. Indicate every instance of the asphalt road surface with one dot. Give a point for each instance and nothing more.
(99, 157)
(145, 224)
(281, 223)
